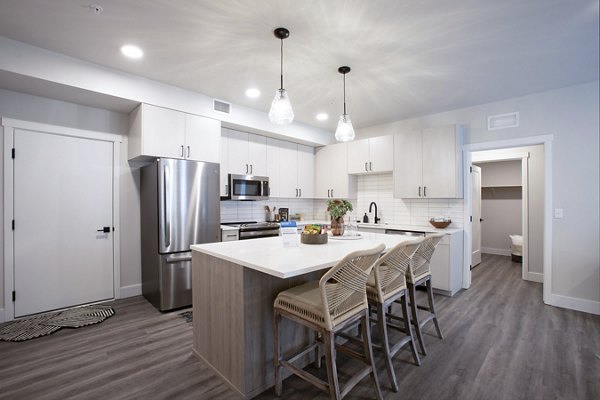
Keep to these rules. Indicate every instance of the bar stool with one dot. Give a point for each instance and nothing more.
(386, 285)
(334, 303)
(417, 274)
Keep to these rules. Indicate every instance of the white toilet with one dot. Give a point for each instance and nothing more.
(516, 248)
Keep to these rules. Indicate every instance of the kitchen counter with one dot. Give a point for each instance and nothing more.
(268, 255)
(414, 228)
(229, 228)
(234, 285)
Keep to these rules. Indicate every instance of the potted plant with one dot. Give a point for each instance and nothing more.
(337, 208)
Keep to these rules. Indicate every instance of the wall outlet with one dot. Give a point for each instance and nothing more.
(558, 213)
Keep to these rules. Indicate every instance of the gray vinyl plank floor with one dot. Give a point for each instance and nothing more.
(500, 342)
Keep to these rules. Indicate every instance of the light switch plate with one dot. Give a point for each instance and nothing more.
(558, 213)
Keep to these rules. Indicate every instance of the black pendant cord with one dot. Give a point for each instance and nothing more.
(281, 66)
(344, 94)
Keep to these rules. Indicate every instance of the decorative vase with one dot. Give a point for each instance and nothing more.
(337, 226)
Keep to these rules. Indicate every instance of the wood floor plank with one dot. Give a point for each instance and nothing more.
(501, 342)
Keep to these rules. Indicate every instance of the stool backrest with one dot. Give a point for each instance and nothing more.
(419, 263)
(390, 269)
(343, 287)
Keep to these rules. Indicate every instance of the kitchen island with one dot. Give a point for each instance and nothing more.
(234, 286)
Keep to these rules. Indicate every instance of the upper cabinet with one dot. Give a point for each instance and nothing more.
(274, 166)
(331, 177)
(161, 132)
(374, 155)
(427, 163)
(296, 171)
(247, 153)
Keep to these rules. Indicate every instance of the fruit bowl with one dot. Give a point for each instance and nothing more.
(318, 238)
(440, 224)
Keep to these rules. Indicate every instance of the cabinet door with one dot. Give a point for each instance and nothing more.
(163, 132)
(306, 171)
(381, 154)
(323, 172)
(288, 172)
(408, 166)
(224, 163)
(238, 153)
(339, 179)
(202, 138)
(257, 154)
(273, 167)
(358, 156)
(439, 162)
(440, 267)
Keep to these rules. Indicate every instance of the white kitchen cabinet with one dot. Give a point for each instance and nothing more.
(247, 153)
(427, 163)
(224, 163)
(374, 155)
(296, 170)
(161, 132)
(331, 174)
(273, 166)
(230, 235)
(446, 264)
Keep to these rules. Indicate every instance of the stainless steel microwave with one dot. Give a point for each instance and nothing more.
(248, 187)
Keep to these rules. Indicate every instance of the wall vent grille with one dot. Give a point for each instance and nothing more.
(221, 106)
(503, 121)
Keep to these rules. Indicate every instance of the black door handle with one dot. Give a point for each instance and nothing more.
(106, 229)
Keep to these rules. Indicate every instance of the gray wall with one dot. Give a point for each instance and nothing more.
(39, 109)
(571, 116)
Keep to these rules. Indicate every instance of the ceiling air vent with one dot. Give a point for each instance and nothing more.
(503, 121)
(221, 106)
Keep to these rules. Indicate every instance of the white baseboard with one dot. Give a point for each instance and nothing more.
(498, 252)
(535, 277)
(131, 291)
(573, 303)
(1, 315)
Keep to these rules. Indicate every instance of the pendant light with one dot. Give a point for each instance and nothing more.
(344, 131)
(281, 112)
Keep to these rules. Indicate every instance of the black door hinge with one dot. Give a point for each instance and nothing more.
(13, 224)
(14, 294)
(13, 153)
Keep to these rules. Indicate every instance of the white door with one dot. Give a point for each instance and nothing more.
(439, 162)
(323, 172)
(381, 154)
(202, 138)
(288, 173)
(257, 154)
(238, 153)
(306, 171)
(358, 156)
(273, 167)
(476, 224)
(62, 197)
(338, 181)
(224, 163)
(163, 132)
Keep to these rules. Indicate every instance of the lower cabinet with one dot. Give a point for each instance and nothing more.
(229, 235)
(446, 264)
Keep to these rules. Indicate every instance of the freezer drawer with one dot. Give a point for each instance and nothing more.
(167, 281)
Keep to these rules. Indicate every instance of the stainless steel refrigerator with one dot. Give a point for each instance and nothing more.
(179, 207)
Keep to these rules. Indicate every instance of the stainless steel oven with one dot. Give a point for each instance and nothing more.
(248, 187)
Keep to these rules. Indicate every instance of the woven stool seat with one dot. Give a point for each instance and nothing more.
(337, 302)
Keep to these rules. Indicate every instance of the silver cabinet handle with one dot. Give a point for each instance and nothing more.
(419, 191)
(226, 190)
(331, 192)
(328, 192)
(246, 168)
(370, 166)
(366, 167)
(188, 152)
(181, 151)
(251, 169)
(166, 210)
(296, 192)
(300, 190)
(424, 191)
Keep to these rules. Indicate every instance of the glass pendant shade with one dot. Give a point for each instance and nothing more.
(281, 112)
(344, 131)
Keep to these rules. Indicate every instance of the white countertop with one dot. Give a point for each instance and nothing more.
(268, 255)
(229, 228)
(426, 229)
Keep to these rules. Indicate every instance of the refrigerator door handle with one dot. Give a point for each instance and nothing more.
(176, 258)
(167, 211)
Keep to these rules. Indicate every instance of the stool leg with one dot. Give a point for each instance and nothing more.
(432, 308)
(409, 331)
(277, 354)
(415, 317)
(382, 324)
(366, 334)
(334, 385)
(317, 351)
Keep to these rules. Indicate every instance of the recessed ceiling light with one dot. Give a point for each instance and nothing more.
(322, 117)
(132, 51)
(253, 93)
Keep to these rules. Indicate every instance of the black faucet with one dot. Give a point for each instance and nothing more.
(370, 207)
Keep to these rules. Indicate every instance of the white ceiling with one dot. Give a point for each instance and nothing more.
(408, 57)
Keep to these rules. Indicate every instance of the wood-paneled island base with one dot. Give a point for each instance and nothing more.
(234, 285)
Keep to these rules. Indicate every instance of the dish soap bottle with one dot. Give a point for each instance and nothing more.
(366, 218)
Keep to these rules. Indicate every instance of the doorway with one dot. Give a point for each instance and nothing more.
(541, 271)
(61, 249)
